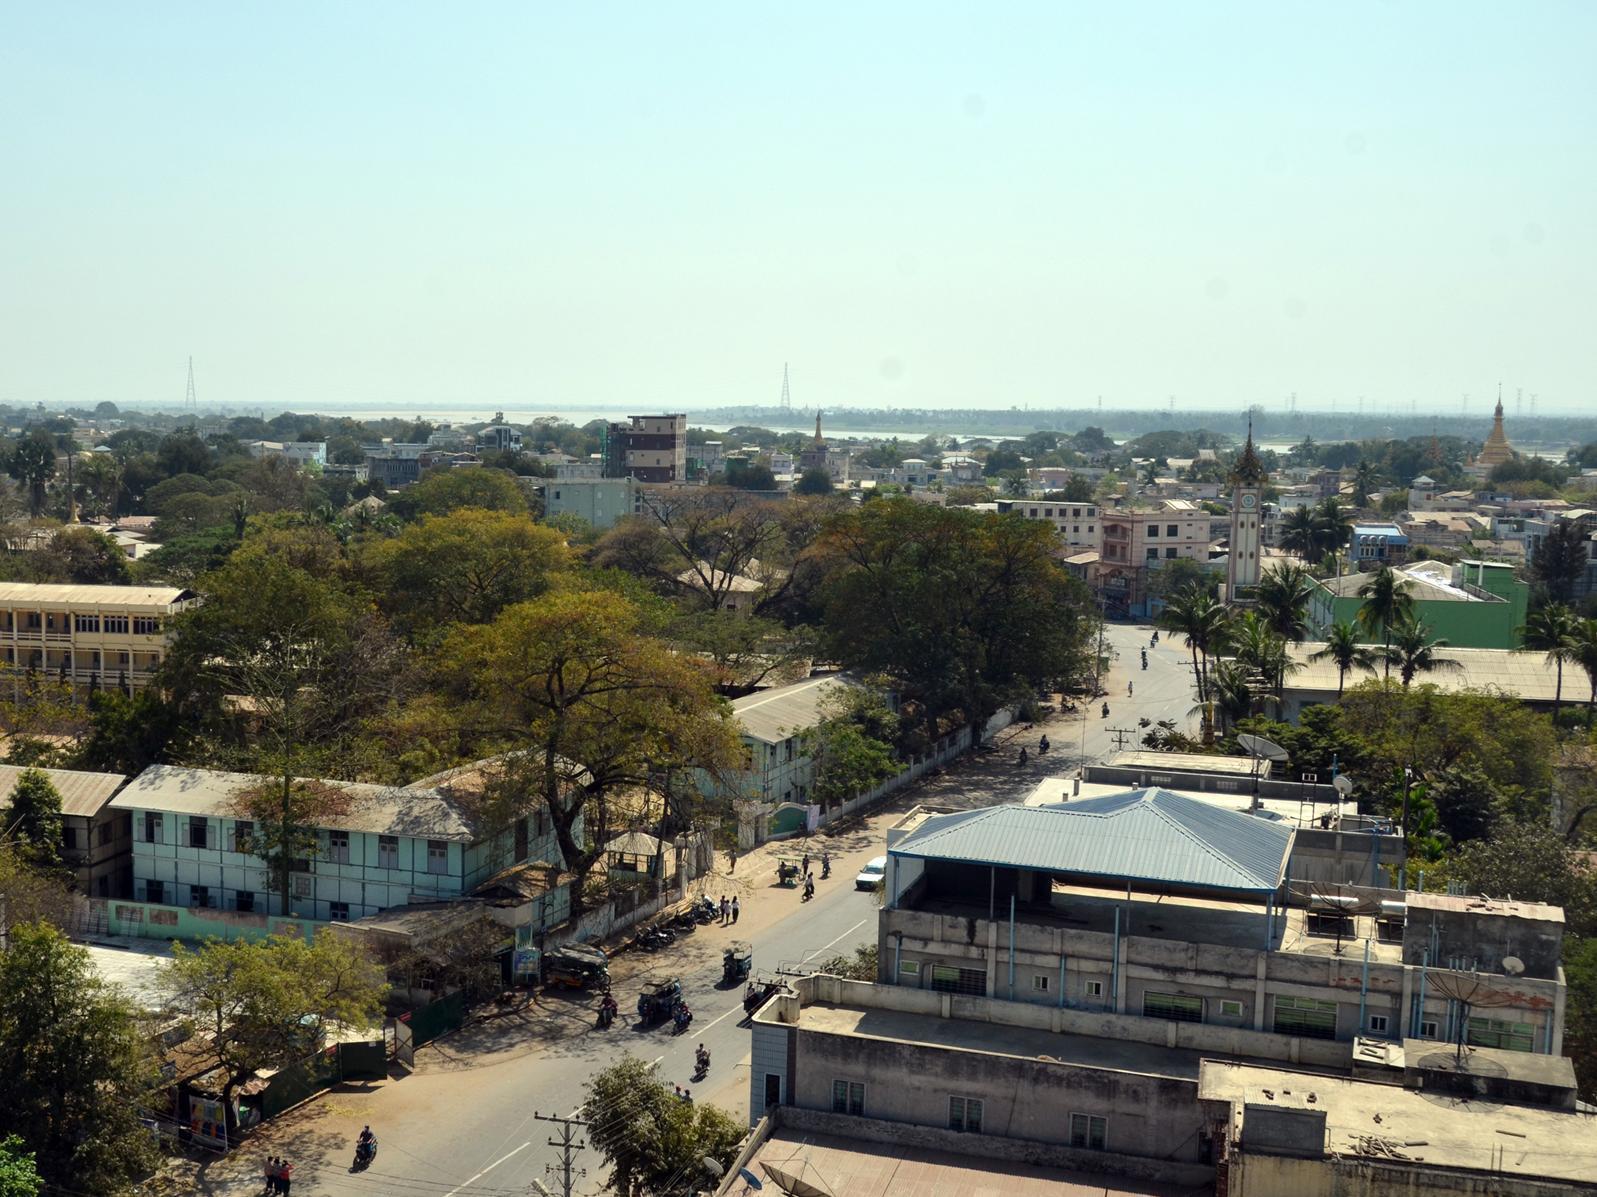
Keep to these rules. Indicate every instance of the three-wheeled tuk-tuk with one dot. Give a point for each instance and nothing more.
(736, 961)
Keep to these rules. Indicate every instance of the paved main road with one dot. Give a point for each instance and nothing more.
(463, 1125)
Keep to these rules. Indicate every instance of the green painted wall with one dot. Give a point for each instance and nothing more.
(1461, 624)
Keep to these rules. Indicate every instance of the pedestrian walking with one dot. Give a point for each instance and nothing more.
(676, 1092)
(734, 910)
(731, 861)
(805, 867)
(726, 909)
(687, 1096)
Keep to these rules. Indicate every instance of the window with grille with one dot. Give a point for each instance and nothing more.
(1230, 1008)
(302, 885)
(154, 891)
(848, 1097)
(964, 1114)
(948, 979)
(1095, 989)
(1040, 983)
(388, 851)
(146, 625)
(200, 895)
(1332, 923)
(1389, 930)
(338, 847)
(87, 623)
(1088, 1131)
(1497, 1032)
(1178, 1007)
(338, 912)
(1306, 1017)
(116, 624)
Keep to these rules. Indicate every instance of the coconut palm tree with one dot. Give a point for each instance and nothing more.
(1258, 648)
(1202, 620)
(1342, 646)
(1297, 532)
(1365, 478)
(1584, 654)
(1387, 602)
(1283, 600)
(1413, 650)
(1552, 630)
(1232, 695)
(1332, 529)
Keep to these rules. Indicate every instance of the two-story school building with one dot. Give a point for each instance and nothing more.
(387, 846)
(92, 636)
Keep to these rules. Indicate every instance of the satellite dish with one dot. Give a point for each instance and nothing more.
(712, 1167)
(754, 1182)
(1258, 746)
(1343, 784)
(1513, 965)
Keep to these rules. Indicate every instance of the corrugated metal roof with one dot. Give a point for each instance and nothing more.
(1146, 835)
(89, 596)
(381, 810)
(82, 794)
(773, 715)
(1526, 674)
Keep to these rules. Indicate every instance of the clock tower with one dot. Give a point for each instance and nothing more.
(1247, 497)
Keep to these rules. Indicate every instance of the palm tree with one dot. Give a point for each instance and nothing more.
(1260, 650)
(1342, 646)
(1197, 615)
(1283, 600)
(1297, 532)
(1414, 650)
(1387, 602)
(1365, 478)
(1331, 528)
(1584, 654)
(1232, 691)
(1552, 630)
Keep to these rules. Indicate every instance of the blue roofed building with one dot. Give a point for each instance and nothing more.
(1374, 545)
(1156, 905)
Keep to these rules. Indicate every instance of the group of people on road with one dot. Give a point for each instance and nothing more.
(729, 910)
(279, 1175)
(683, 1094)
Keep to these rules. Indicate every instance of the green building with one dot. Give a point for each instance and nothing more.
(1471, 604)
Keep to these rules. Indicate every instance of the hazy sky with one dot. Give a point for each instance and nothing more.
(653, 205)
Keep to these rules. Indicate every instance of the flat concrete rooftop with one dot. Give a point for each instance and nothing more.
(1082, 1051)
(857, 1168)
(1365, 1119)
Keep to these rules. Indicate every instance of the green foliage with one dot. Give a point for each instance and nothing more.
(85, 557)
(653, 1141)
(961, 610)
(19, 1177)
(443, 491)
(749, 475)
(34, 818)
(861, 966)
(1003, 461)
(814, 481)
(1558, 561)
(463, 567)
(73, 1073)
(127, 735)
(1181, 574)
(259, 1004)
(1554, 631)
(852, 747)
(1532, 863)
(29, 894)
(32, 463)
(1518, 469)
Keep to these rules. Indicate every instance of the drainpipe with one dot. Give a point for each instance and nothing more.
(1419, 999)
(898, 958)
(1114, 968)
(1364, 986)
(1011, 947)
(1062, 992)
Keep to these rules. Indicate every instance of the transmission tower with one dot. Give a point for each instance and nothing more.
(568, 1150)
(191, 402)
(787, 395)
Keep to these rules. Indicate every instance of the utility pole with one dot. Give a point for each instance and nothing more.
(568, 1150)
(1121, 735)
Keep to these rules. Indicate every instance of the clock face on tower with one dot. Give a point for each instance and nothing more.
(1248, 501)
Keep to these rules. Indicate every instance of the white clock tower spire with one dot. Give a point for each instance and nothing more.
(1247, 497)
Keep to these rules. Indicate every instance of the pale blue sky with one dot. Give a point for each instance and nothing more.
(655, 205)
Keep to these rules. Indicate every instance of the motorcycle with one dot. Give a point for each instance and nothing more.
(705, 910)
(702, 1064)
(365, 1153)
(682, 1017)
(607, 1013)
(652, 939)
(809, 889)
(826, 867)
(683, 922)
(1043, 746)
(1106, 710)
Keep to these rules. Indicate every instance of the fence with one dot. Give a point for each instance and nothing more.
(436, 1019)
(333, 1065)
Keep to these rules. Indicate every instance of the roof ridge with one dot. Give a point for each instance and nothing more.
(1192, 835)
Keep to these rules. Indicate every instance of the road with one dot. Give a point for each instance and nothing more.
(463, 1124)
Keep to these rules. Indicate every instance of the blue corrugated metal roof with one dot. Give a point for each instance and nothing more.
(1146, 835)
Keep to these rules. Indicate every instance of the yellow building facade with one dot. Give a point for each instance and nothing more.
(92, 636)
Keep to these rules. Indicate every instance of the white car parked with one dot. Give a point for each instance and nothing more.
(873, 875)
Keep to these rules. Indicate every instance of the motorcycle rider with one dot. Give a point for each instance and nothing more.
(826, 865)
(366, 1145)
(1128, 689)
(607, 1010)
(1042, 746)
(1106, 710)
(702, 1058)
(682, 1015)
(809, 886)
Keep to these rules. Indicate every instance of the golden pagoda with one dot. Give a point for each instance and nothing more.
(1497, 449)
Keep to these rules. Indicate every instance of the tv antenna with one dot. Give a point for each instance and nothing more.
(787, 395)
(191, 402)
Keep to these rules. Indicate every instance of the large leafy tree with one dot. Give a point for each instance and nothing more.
(962, 611)
(463, 567)
(19, 1174)
(32, 463)
(654, 1141)
(34, 818)
(73, 1072)
(258, 1004)
(584, 703)
(1554, 631)
(444, 491)
(852, 747)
